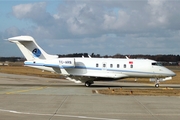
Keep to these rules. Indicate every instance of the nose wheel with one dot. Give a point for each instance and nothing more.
(156, 85)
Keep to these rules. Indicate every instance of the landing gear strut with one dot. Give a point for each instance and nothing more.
(88, 83)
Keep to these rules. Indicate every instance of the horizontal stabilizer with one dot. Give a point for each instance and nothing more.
(21, 38)
(30, 48)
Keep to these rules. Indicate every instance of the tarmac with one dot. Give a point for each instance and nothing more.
(27, 97)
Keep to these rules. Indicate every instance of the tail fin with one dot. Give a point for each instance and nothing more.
(30, 48)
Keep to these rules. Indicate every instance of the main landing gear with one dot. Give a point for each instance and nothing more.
(88, 83)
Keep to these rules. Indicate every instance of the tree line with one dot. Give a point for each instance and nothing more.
(12, 59)
(165, 58)
(162, 58)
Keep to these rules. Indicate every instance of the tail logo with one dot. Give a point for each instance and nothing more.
(36, 52)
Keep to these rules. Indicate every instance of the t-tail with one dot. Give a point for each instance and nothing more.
(30, 48)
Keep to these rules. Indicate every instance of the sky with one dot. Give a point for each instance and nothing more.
(105, 27)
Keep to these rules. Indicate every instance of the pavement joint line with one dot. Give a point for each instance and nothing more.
(149, 111)
(59, 107)
(27, 90)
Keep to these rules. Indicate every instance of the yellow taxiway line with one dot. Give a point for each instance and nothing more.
(21, 91)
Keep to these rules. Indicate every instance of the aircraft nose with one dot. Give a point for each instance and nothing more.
(173, 74)
(170, 73)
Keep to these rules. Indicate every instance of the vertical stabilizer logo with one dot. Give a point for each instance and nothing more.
(36, 52)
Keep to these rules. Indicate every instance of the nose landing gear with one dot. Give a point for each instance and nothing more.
(156, 80)
(157, 83)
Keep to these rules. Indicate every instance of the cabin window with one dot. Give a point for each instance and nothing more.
(111, 65)
(117, 65)
(124, 65)
(97, 65)
(131, 66)
(104, 65)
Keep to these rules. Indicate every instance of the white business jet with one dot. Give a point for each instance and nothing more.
(87, 70)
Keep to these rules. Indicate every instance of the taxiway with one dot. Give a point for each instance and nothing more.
(27, 97)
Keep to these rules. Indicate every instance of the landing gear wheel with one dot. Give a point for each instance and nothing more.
(87, 84)
(156, 85)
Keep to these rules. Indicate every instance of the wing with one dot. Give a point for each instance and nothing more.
(84, 79)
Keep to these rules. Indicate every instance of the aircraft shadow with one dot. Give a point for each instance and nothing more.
(92, 86)
(40, 85)
(120, 86)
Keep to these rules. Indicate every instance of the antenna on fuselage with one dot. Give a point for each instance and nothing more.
(127, 57)
(89, 56)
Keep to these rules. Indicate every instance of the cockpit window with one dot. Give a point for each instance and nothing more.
(154, 63)
(157, 64)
